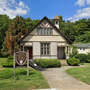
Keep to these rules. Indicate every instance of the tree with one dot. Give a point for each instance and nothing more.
(18, 28)
(61, 22)
(69, 30)
(4, 24)
(81, 28)
(10, 42)
(14, 33)
(85, 38)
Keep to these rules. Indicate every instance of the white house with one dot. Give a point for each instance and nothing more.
(83, 48)
(46, 40)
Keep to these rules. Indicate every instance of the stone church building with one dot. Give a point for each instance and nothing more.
(46, 40)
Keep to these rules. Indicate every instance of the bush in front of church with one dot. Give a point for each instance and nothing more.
(48, 63)
(73, 61)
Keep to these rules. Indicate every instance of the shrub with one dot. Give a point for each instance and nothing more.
(48, 63)
(73, 61)
(88, 60)
(81, 57)
(9, 62)
(74, 52)
(88, 56)
(4, 54)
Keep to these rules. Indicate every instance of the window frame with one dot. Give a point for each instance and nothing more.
(44, 31)
(44, 48)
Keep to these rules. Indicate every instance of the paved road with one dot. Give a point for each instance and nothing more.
(59, 79)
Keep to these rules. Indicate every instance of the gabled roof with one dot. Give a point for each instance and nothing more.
(45, 18)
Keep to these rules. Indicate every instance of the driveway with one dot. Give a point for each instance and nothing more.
(59, 79)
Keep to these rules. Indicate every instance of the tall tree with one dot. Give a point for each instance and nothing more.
(4, 24)
(14, 33)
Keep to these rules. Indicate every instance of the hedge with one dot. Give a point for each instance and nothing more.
(73, 61)
(81, 57)
(88, 61)
(48, 63)
(8, 62)
(88, 56)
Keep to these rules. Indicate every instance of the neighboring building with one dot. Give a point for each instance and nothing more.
(46, 40)
(83, 48)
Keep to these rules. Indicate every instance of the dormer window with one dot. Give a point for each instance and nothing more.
(44, 31)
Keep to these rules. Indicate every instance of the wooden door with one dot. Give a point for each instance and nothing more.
(61, 53)
(30, 53)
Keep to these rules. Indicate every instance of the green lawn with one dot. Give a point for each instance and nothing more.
(21, 81)
(82, 73)
(2, 60)
(87, 64)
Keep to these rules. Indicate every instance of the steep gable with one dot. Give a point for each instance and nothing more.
(45, 23)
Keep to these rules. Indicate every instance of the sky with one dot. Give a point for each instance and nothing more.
(72, 10)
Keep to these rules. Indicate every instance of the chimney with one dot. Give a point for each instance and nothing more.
(56, 19)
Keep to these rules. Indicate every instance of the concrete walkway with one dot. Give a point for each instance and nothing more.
(59, 79)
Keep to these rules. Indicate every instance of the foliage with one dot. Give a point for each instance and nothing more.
(88, 56)
(81, 57)
(4, 51)
(4, 24)
(17, 29)
(88, 60)
(78, 31)
(8, 62)
(21, 81)
(73, 61)
(4, 54)
(48, 63)
(10, 42)
(69, 30)
(74, 52)
(2, 60)
(84, 38)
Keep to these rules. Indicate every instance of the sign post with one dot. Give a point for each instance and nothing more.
(21, 58)
(14, 66)
(27, 63)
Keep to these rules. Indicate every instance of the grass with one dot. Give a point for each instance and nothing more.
(2, 60)
(21, 81)
(87, 64)
(82, 73)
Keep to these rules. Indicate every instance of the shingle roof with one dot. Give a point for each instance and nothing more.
(82, 45)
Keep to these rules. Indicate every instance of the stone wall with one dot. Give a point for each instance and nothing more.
(36, 51)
